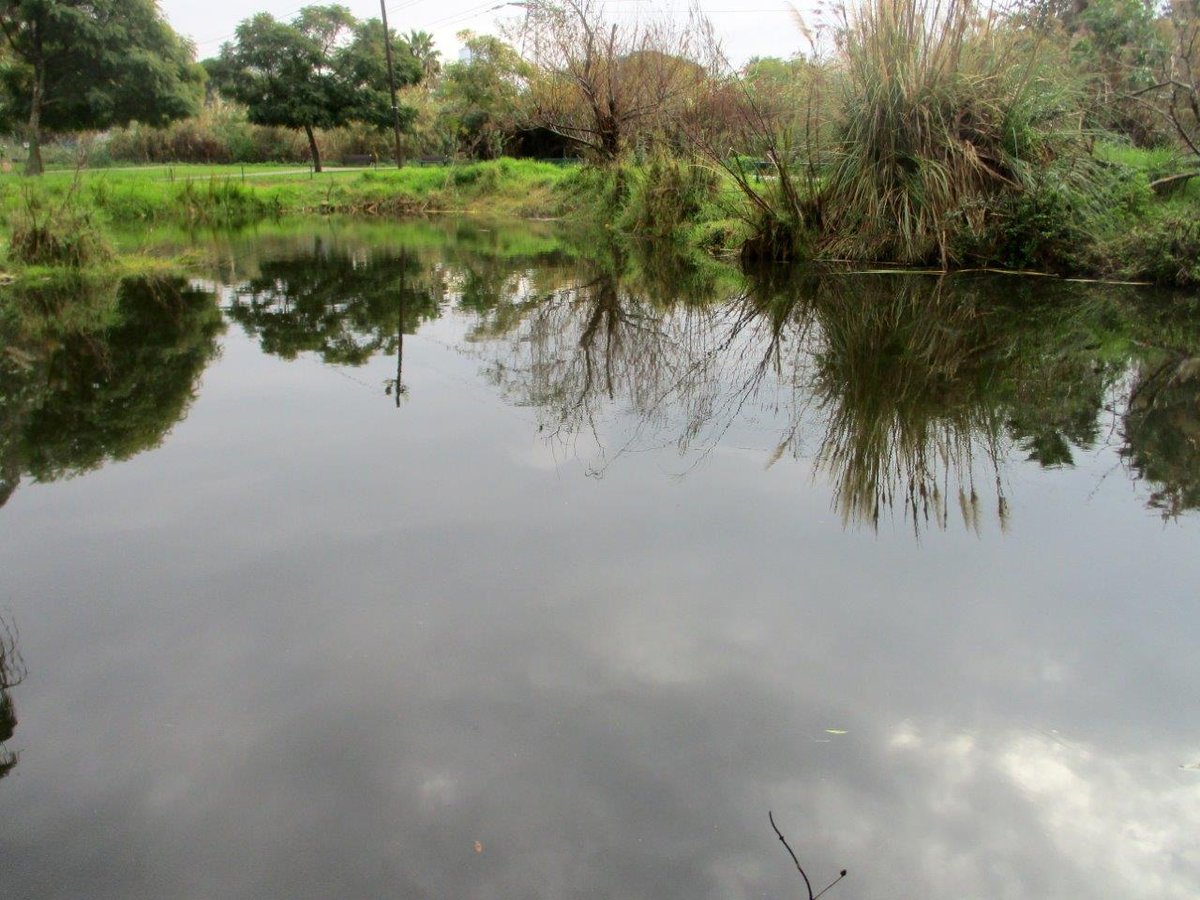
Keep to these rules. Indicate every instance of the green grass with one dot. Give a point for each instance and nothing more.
(1150, 160)
(220, 195)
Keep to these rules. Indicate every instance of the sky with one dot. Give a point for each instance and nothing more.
(746, 27)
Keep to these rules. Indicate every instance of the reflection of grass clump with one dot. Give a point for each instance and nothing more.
(57, 303)
(904, 378)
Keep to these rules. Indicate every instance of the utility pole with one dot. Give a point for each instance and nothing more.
(387, 49)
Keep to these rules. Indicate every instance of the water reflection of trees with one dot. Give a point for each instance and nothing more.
(344, 307)
(349, 301)
(1162, 432)
(909, 391)
(79, 389)
(12, 673)
(590, 343)
(916, 388)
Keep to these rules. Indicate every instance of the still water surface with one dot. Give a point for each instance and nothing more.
(416, 561)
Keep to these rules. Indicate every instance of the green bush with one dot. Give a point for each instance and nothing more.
(665, 196)
(1166, 251)
(1061, 221)
(63, 233)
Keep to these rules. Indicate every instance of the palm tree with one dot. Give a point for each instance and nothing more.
(420, 44)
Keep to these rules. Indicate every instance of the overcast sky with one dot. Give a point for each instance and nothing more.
(747, 27)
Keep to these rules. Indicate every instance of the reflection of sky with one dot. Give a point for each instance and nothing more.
(315, 646)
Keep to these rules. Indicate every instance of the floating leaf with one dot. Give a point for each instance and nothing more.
(834, 731)
(479, 846)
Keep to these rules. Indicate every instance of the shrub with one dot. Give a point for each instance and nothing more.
(1061, 220)
(220, 134)
(1166, 252)
(63, 233)
(665, 196)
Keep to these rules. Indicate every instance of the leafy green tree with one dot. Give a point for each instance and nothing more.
(483, 94)
(1117, 44)
(324, 69)
(365, 68)
(82, 64)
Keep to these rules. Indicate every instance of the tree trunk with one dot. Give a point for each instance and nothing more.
(33, 164)
(313, 149)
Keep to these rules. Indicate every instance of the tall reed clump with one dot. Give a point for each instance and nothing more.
(56, 232)
(944, 108)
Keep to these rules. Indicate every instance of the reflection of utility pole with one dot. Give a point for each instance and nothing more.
(397, 387)
(400, 388)
(387, 48)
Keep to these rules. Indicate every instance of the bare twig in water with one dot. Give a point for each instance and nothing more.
(800, 868)
(792, 854)
(841, 875)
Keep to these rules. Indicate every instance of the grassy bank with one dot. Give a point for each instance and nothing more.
(1105, 222)
(233, 195)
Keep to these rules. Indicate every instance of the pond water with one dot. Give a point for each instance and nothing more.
(424, 560)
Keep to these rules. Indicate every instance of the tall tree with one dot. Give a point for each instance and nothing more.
(79, 64)
(321, 70)
(484, 94)
(605, 82)
(420, 45)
